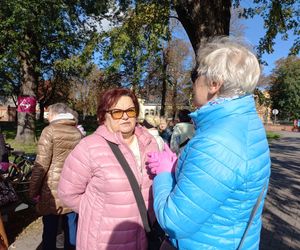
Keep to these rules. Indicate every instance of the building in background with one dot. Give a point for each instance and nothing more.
(8, 109)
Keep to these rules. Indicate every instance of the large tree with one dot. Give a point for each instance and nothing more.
(128, 51)
(35, 33)
(203, 19)
(285, 88)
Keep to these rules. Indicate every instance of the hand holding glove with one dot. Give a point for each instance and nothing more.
(164, 161)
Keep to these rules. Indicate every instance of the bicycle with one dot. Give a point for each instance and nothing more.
(19, 171)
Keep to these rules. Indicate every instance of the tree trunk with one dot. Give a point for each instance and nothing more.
(42, 111)
(26, 120)
(164, 82)
(174, 100)
(203, 19)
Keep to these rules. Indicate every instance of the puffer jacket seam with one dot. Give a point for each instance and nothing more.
(214, 158)
(218, 142)
(198, 188)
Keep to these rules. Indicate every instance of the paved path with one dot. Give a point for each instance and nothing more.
(30, 238)
(281, 217)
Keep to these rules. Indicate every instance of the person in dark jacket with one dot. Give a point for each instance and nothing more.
(165, 131)
(56, 142)
(4, 162)
(224, 169)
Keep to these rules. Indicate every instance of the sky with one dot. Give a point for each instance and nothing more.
(254, 31)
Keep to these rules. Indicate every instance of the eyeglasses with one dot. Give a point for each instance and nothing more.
(117, 114)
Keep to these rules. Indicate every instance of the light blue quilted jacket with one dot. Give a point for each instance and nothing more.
(218, 179)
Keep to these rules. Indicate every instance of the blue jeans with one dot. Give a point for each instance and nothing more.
(72, 224)
(51, 222)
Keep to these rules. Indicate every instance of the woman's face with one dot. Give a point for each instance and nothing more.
(200, 91)
(125, 123)
(162, 125)
(204, 93)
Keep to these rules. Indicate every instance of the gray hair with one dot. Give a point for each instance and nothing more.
(59, 108)
(225, 61)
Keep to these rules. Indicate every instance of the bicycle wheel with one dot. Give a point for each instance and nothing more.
(14, 174)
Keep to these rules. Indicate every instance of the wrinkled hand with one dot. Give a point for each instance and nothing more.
(163, 161)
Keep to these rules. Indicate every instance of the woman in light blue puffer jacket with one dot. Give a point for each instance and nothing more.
(207, 202)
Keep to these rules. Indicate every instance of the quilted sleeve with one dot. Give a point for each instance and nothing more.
(75, 176)
(42, 162)
(202, 185)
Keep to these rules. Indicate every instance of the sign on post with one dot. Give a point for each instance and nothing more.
(275, 113)
(26, 104)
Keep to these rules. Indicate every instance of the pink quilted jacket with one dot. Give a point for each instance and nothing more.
(93, 184)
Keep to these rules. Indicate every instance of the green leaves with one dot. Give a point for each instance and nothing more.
(280, 18)
(130, 46)
(285, 90)
(46, 34)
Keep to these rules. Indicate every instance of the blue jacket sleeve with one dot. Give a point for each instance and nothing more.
(202, 185)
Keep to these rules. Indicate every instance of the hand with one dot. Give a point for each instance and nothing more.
(164, 161)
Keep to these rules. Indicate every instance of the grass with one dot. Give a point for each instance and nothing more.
(272, 136)
(9, 129)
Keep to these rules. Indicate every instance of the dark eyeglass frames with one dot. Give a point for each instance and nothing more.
(117, 114)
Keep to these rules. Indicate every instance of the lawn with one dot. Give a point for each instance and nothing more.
(9, 130)
(272, 136)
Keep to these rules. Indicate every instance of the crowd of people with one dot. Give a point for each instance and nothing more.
(203, 181)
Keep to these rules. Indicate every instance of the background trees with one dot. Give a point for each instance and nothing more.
(285, 88)
(55, 41)
(34, 34)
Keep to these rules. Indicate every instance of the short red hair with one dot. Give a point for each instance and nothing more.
(110, 97)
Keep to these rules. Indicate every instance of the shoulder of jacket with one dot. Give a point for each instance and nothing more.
(47, 130)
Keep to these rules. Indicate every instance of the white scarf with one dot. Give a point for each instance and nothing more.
(63, 116)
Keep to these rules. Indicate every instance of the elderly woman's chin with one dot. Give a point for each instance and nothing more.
(127, 127)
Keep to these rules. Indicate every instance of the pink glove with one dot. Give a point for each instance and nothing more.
(36, 198)
(4, 166)
(163, 161)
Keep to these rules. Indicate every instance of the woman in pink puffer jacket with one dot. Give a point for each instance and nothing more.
(94, 184)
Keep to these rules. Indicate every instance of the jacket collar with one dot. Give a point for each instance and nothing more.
(204, 116)
(64, 121)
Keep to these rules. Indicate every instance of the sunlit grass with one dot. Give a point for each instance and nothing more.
(272, 136)
(9, 129)
(31, 148)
